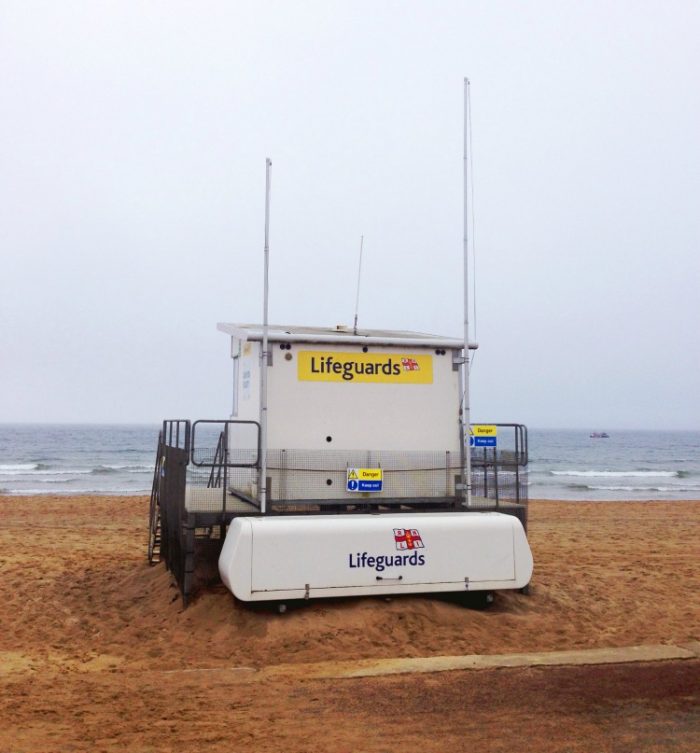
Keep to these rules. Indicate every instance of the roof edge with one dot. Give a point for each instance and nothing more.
(277, 334)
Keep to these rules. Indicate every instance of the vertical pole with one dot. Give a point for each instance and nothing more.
(224, 452)
(359, 274)
(235, 358)
(264, 350)
(517, 465)
(466, 412)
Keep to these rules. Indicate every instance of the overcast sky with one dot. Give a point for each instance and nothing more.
(133, 138)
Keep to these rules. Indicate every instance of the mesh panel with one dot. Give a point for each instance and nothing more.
(502, 482)
(322, 475)
(207, 456)
(299, 474)
(205, 490)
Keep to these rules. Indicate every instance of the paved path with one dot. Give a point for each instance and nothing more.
(379, 667)
(421, 665)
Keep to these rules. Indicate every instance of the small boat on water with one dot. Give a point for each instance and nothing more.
(599, 435)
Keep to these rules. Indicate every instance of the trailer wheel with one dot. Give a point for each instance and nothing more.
(478, 599)
(281, 608)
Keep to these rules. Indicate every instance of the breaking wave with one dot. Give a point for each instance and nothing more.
(668, 489)
(76, 492)
(625, 488)
(619, 474)
(40, 469)
(12, 468)
(41, 472)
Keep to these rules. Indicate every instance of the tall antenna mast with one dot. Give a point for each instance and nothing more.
(264, 354)
(357, 297)
(466, 411)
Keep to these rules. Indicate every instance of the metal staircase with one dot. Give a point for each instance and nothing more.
(154, 527)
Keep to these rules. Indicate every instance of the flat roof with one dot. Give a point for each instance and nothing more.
(340, 335)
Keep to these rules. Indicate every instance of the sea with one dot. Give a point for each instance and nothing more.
(77, 459)
(628, 465)
(563, 464)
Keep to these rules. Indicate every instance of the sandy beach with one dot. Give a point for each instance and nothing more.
(96, 652)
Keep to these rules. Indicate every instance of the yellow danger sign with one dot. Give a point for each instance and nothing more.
(337, 366)
(483, 430)
(364, 480)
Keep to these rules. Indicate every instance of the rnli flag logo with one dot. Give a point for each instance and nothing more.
(410, 364)
(408, 538)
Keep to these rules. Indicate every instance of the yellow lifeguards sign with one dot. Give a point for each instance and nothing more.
(338, 366)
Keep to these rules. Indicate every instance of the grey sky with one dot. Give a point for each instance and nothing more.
(133, 139)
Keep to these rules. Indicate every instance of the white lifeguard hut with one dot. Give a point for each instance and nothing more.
(339, 399)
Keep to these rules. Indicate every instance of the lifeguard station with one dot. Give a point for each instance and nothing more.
(364, 462)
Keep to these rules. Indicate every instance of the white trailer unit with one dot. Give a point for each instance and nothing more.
(273, 558)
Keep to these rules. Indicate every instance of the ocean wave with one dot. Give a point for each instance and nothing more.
(105, 468)
(122, 466)
(50, 472)
(39, 469)
(619, 474)
(17, 467)
(53, 480)
(666, 489)
(631, 488)
(73, 492)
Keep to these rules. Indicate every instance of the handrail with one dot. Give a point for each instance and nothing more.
(179, 427)
(154, 505)
(226, 463)
(219, 458)
(520, 452)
